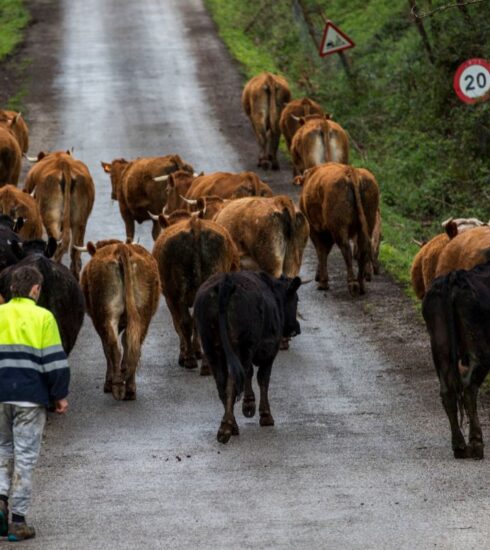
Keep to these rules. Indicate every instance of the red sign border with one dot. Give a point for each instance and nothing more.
(340, 48)
(457, 88)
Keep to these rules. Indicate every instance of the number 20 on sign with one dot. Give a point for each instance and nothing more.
(472, 80)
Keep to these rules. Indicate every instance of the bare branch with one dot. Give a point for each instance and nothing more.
(423, 14)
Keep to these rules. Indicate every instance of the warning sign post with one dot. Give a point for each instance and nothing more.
(334, 40)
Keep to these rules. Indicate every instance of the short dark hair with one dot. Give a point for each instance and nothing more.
(23, 279)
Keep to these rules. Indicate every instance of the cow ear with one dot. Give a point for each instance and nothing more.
(106, 166)
(91, 248)
(19, 224)
(17, 249)
(51, 247)
(451, 229)
(40, 155)
(299, 180)
(294, 285)
(163, 221)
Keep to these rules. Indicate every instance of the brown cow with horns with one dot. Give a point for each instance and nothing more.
(340, 203)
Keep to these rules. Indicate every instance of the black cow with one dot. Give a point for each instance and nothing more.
(241, 319)
(456, 310)
(60, 293)
(8, 235)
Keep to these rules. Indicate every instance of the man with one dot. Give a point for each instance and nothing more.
(34, 373)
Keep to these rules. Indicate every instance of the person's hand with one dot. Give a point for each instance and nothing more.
(61, 406)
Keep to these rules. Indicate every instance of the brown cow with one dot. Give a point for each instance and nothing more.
(317, 141)
(263, 100)
(178, 184)
(270, 233)
(188, 252)
(121, 289)
(18, 126)
(10, 155)
(424, 265)
(17, 204)
(292, 112)
(229, 186)
(65, 193)
(465, 251)
(140, 186)
(340, 203)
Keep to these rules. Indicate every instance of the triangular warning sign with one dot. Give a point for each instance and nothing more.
(334, 40)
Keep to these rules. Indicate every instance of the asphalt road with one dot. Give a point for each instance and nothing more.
(360, 454)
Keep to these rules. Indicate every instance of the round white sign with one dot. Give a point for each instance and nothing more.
(472, 80)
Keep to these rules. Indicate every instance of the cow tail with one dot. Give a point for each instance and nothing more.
(133, 321)
(327, 144)
(454, 373)
(365, 249)
(66, 186)
(235, 368)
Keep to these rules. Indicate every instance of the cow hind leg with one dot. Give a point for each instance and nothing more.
(450, 402)
(183, 324)
(114, 382)
(248, 404)
(323, 244)
(274, 137)
(356, 287)
(475, 449)
(263, 378)
(228, 426)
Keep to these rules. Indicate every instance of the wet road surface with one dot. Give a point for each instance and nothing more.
(360, 454)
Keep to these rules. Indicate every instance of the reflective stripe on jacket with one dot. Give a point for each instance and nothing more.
(33, 364)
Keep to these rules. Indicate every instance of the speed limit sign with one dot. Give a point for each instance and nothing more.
(472, 80)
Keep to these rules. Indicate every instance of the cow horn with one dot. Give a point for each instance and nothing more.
(196, 175)
(154, 217)
(161, 178)
(445, 222)
(188, 201)
(80, 248)
(30, 159)
(419, 243)
(306, 282)
(33, 194)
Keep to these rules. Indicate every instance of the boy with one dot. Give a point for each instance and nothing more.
(34, 372)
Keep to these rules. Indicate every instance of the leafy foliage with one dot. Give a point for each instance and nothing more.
(13, 18)
(428, 150)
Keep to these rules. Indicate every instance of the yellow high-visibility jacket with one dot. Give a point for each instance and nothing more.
(33, 364)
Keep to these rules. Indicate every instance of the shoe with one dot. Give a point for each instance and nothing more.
(20, 531)
(4, 518)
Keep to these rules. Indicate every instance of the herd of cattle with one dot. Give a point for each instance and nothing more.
(227, 255)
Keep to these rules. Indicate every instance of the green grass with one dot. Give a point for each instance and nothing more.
(428, 150)
(13, 19)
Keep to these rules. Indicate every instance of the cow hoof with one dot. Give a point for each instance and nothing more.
(266, 420)
(130, 395)
(354, 288)
(323, 285)
(477, 451)
(248, 408)
(284, 344)
(461, 452)
(108, 387)
(224, 433)
(118, 391)
(205, 370)
(190, 363)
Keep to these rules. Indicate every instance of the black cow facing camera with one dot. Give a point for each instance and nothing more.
(241, 319)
